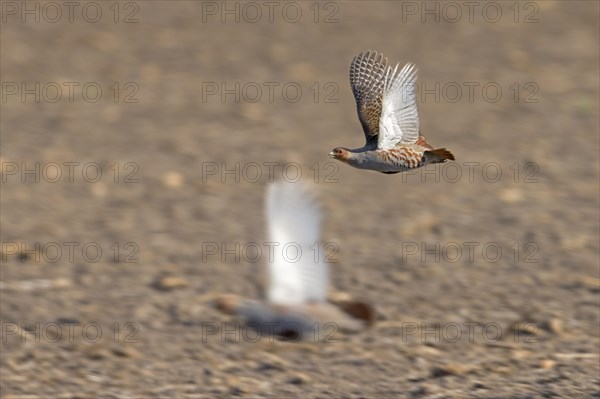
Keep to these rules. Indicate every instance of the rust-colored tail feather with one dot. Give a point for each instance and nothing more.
(361, 310)
(423, 143)
(440, 155)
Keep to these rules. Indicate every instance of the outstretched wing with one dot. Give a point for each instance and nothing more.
(297, 271)
(399, 122)
(367, 78)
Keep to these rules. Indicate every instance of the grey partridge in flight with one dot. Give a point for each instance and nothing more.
(387, 110)
(297, 305)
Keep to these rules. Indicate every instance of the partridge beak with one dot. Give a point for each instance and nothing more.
(331, 155)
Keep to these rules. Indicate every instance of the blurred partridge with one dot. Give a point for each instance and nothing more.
(296, 303)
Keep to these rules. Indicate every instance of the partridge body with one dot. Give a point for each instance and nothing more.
(297, 304)
(387, 110)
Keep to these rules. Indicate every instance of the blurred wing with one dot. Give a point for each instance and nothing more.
(294, 223)
(367, 78)
(399, 122)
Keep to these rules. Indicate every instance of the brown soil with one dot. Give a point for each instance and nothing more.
(528, 318)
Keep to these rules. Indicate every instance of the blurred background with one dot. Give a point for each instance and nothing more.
(137, 135)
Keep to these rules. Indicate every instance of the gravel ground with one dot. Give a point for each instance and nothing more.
(153, 142)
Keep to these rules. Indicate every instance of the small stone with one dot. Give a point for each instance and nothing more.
(525, 330)
(168, 283)
(99, 189)
(556, 326)
(589, 282)
(339, 297)
(13, 364)
(61, 283)
(414, 378)
(511, 195)
(96, 352)
(427, 350)
(236, 391)
(272, 362)
(574, 242)
(437, 372)
(547, 364)
(418, 392)
(450, 369)
(520, 354)
(240, 386)
(503, 370)
(125, 350)
(173, 179)
(401, 277)
(298, 379)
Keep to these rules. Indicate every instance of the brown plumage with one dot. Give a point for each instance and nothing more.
(387, 110)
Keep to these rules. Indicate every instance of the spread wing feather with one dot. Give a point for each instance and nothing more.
(399, 122)
(294, 222)
(367, 78)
